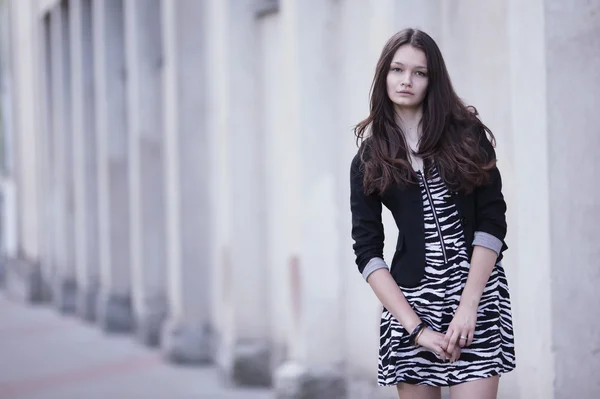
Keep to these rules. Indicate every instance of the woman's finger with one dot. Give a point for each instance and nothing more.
(448, 335)
(440, 352)
(470, 337)
(463, 339)
(456, 354)
(452, 342)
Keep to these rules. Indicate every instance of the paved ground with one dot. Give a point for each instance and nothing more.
(47, 356)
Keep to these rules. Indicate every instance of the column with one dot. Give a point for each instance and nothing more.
(273, 125)
(219, 187)
(571, 33)
(114, 311)
(7, 232)
(84, 153)
(20, 196)
(46, 157)
(244, 352)
(26, 144)
(359, 53)
(187, 334)
(482, 81)
(425, 16)
(144, 59)
(64, 286)
(311, 34)
(531, 296)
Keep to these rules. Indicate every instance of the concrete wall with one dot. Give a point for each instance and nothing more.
(222, 137)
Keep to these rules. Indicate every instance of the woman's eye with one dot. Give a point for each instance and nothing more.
(396, 70)
(419, 73)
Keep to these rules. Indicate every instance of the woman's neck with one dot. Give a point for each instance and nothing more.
(409, 119)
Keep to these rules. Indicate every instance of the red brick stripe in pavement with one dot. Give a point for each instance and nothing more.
(88, 374)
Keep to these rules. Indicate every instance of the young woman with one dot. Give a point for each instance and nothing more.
(427, 157)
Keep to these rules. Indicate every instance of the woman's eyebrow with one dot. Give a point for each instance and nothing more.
(416, 66)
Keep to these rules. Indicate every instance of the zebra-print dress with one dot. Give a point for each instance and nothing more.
(435, 300)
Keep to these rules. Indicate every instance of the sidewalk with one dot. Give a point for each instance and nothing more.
(44, 355)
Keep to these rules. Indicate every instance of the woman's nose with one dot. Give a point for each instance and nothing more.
(406, 81)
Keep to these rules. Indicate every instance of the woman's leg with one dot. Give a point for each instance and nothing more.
(485, 388)
(408, 391)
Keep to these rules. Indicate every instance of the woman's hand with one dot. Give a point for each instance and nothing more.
(455, 354)
(434, 341)
(461, 329)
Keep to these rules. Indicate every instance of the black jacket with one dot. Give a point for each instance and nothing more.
(481, 211)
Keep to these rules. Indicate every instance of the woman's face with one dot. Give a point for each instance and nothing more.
(407, 78)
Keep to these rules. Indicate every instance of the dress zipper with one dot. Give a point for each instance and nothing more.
(437, 224)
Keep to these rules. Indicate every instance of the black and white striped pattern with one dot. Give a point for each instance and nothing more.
(435, 300)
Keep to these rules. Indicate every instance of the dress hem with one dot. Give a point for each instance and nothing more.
(414, 381)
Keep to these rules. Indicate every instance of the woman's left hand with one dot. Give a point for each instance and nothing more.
(461, 329)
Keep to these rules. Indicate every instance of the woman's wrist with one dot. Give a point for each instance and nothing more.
(412, 325)
(469, 300)
(416, 341)
(416, 333)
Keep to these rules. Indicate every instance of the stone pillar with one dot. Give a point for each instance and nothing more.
(46, 156)
(219, 187)
(187, 335)
(530, 292)
(26, 144)
(64, 286)
(114, 312)
(314, 368)
(531, 295)
(8, 223)
(484, 82)
(359, 51)
(382, 25)
(273, 124)
(424, 15)
(144, 59)
(21, 149)
(84, 152)
(244, 351)
(572, 32)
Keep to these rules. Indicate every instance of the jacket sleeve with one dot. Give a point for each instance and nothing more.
(490, 230)
(367, 228)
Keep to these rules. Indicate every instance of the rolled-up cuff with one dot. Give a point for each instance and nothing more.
(374, 264)
(487, 240)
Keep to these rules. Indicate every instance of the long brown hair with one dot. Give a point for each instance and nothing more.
(451, 131)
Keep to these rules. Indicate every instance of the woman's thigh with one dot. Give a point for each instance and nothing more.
(485, 388)
(408, 391)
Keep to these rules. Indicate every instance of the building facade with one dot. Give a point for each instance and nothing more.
(178, 169)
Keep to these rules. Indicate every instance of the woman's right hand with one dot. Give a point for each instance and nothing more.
(434, 341)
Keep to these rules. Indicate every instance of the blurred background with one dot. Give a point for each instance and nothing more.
(175, 188)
